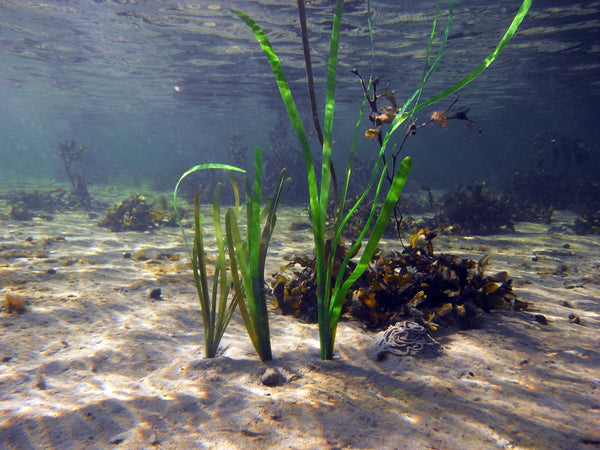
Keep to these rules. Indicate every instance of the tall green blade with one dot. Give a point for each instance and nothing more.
(480, 68)
(185, 175)
(338, 295)
(329, 110)
(290, 105)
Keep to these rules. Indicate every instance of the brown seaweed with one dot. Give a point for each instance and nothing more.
(137, 214)
(73, 155)
(414, 284)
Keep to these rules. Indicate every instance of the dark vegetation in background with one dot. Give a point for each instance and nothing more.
(74, 157)
(80, 165)
(77, 164)
(565, 174)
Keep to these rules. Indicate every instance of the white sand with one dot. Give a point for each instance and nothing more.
(95, 363)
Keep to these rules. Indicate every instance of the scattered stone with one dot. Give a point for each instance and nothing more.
(540, 318)
(51, 271)
(40, 382)
(155, 294)
(574, 319)
(140, 255)
(272, 377)
(118, 439)
(561, 269)
(169, 256)
(126, 255)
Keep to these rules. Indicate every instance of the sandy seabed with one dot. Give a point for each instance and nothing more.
(94, 362)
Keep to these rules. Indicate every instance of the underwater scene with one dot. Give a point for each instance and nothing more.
(320, 224)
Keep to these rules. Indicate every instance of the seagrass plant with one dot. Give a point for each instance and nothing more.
(331, 289)
(215, 303)
(248, 255)
(238, 279)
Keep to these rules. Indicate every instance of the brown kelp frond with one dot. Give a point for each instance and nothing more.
(138, 214)
(415, 284)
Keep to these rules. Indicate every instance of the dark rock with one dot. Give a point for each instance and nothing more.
(540, 318)
(155, 294)
(40, 382)
(272, 377)
(574, 319)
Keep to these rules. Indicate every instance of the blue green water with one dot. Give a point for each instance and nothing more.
(154, 87)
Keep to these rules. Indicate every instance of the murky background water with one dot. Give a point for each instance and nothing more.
(153, 87)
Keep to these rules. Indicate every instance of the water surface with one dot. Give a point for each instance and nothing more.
(156, 86)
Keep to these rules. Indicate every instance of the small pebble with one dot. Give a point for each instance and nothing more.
(51, 271)
(574, 319)
(40, 382)
(272, 377)
(540, 318)
(566, 246)
(140, 255)
(126, 255)
(534, 258)
(155, 294)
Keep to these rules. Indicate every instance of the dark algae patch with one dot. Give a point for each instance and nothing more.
(432, 289)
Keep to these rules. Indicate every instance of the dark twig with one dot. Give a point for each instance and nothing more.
(311, 89)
